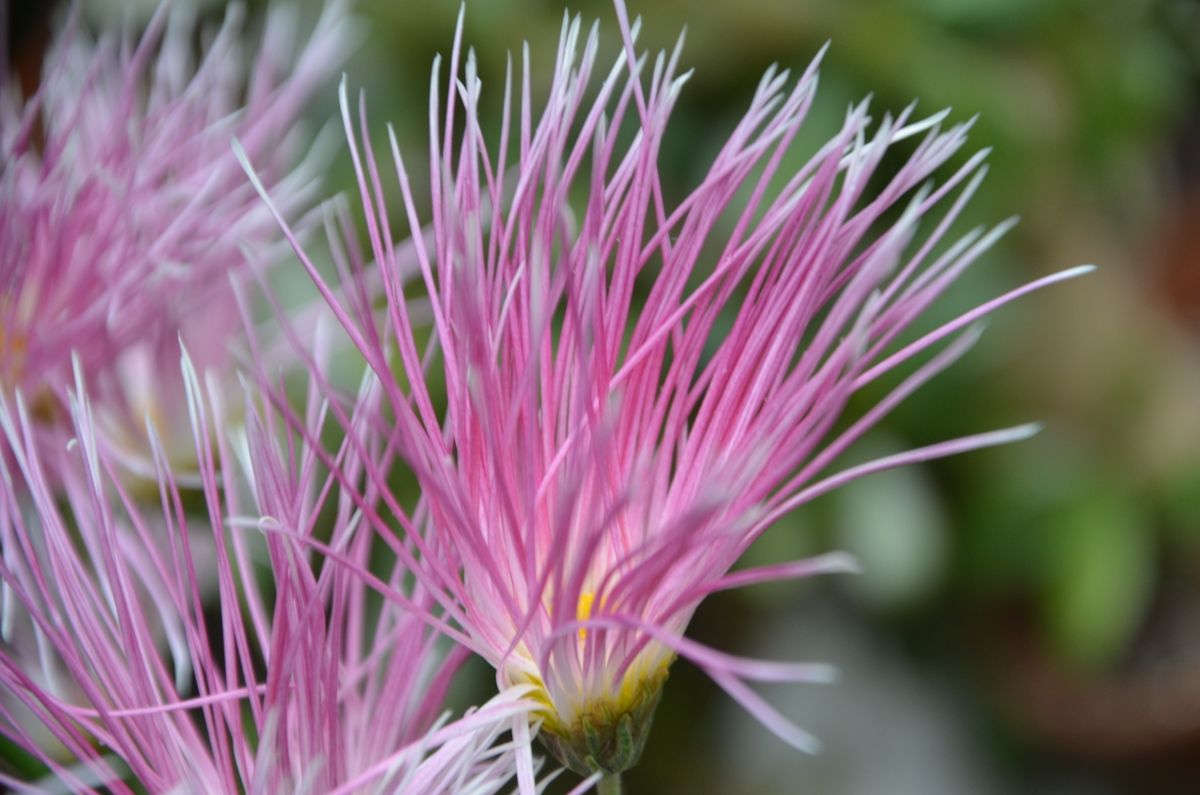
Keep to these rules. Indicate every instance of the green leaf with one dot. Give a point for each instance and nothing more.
(1102, 580)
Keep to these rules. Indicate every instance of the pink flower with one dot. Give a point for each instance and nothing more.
(304, 681)
(624, 389)
(124, 215)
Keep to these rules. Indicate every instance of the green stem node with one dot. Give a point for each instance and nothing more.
(609, 785)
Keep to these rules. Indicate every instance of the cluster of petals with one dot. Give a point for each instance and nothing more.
(607, 392)
(123, 212)
(185, 631)
(124, 669)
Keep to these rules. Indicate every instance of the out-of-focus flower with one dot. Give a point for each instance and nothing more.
(636, 386)
(302, 681)
(124, 215)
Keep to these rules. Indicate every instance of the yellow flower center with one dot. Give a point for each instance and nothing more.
(584, 611)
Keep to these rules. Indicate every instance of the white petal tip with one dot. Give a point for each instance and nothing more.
(1079, 270)
(1022, 432)
(844, 563)
(821, 674)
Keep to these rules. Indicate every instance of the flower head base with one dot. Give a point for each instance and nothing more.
(635, 390)
(607, 735)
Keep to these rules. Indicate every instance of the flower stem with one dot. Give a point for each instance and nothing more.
(609, 785)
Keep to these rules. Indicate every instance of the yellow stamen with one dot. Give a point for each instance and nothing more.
(584, 611)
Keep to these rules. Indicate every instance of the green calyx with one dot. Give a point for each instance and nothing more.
(607, 738)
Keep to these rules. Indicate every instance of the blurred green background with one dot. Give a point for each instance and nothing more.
(1028, 619)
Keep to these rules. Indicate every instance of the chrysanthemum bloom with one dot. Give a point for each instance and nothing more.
(123, 213)
(636, 387)
(302, 682)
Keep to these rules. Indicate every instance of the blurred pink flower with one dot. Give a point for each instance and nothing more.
(305, 681)
(124, 215)
(623, 390)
